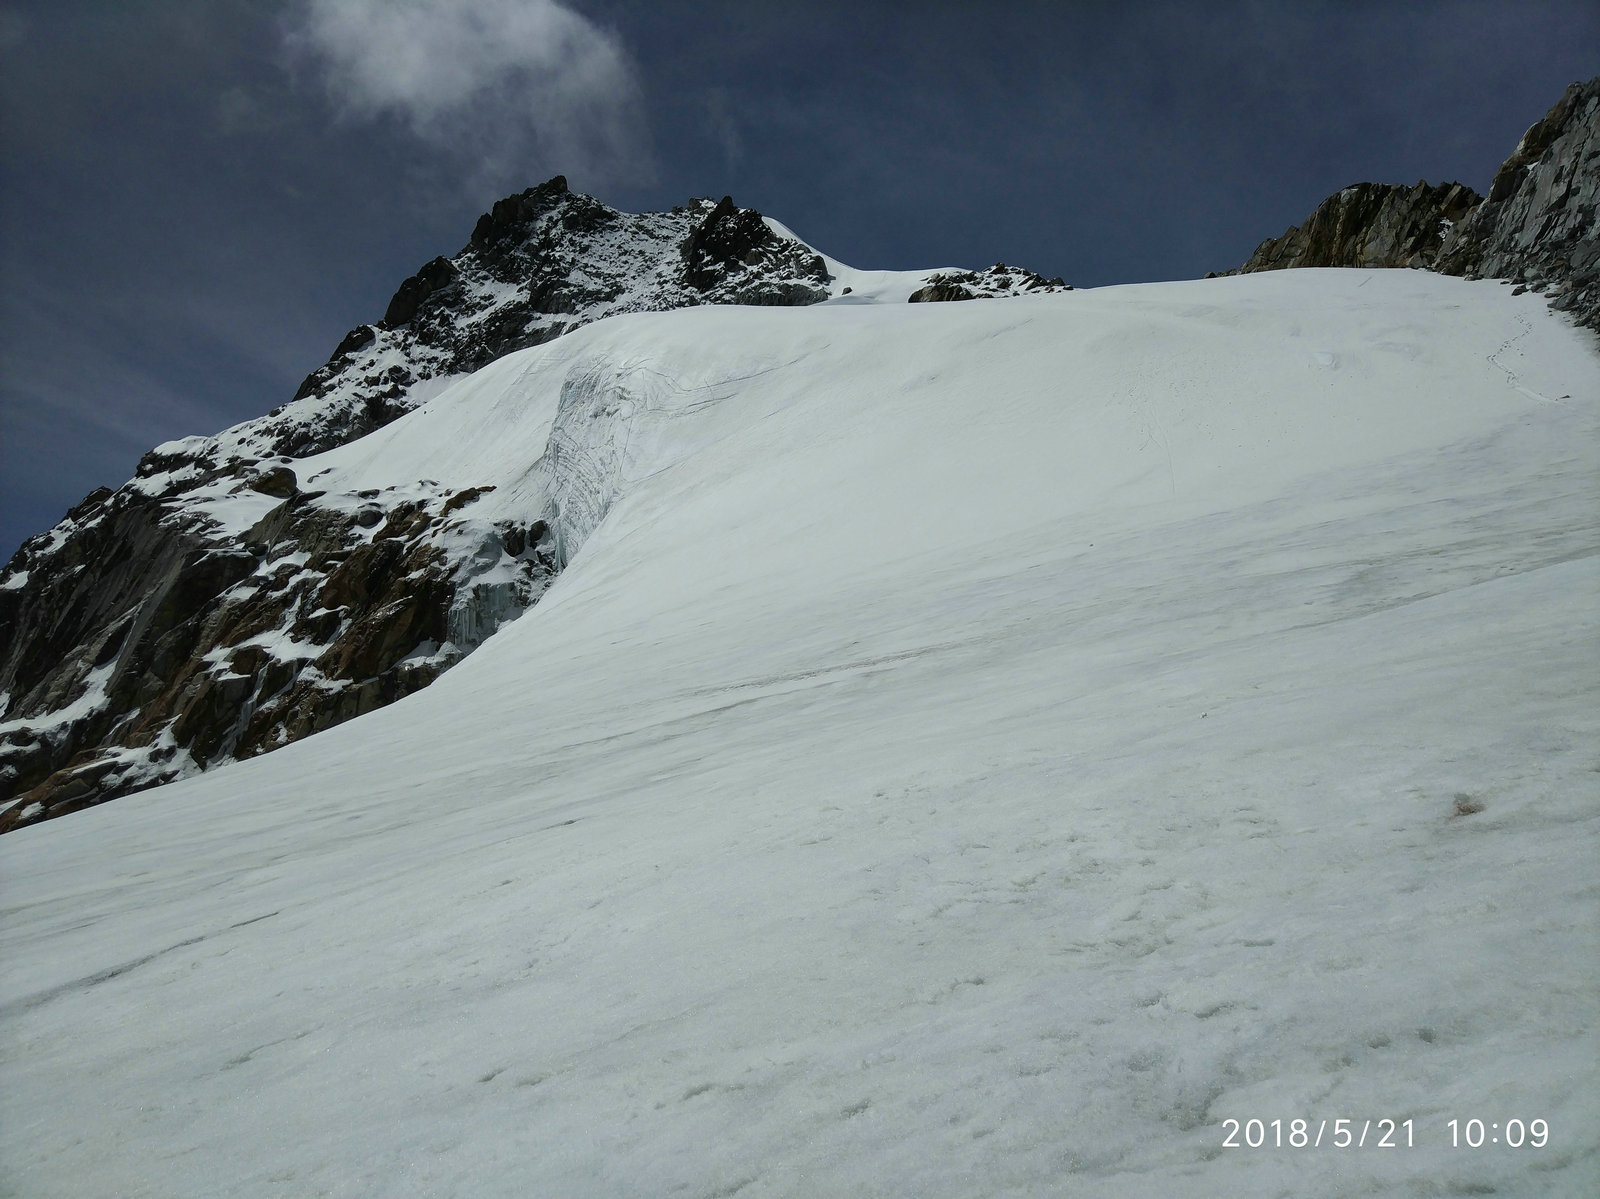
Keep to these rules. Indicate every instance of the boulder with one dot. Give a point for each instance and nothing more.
(277, 481)
(941, 292)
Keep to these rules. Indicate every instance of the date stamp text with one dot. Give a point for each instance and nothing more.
(1361, 1133)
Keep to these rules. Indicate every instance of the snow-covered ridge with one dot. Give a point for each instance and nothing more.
(243, 590)
(539, 264)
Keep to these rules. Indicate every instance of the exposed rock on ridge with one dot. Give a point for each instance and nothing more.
(734, 254)
(149, 635)
(1370, 225)
(219, 605)
(992, 283)
(1537, 226)
(1539, 223)
(538, 264)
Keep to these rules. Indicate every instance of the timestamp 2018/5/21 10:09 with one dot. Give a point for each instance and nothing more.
(1343, 1133)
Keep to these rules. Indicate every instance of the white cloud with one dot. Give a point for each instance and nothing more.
(521, 85)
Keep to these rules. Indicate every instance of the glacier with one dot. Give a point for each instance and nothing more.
(972, 749)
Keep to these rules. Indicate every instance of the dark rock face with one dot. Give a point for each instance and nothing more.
(150, 646)
(735, 250)
(1370, 225)
(434, 277)
(516, 212)
(112, 593)
(1537, 225)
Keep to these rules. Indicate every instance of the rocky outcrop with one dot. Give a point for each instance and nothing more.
(1536, 227)
(146, 644)
(735, 252)
(1370, 225)
(992, 283)
(538, 264)
(1539, 223)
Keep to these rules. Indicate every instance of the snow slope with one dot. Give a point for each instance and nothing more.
(975, 749)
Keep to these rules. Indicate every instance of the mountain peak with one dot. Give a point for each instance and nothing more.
(516, 209)
(539, 263)
(223, 602)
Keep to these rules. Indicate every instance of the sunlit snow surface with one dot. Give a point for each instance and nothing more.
(979, 749)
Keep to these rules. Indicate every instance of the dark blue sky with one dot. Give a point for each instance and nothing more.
(198, 199)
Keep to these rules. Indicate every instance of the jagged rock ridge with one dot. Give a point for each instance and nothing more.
(991, 283)
(1539, 223)
(538, 265)
(219, 604)
(1537, 226)
(1370, 225)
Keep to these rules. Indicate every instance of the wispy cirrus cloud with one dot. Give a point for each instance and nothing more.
(516, 85)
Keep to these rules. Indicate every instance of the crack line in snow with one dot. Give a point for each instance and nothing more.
(28, 1002)
(822, 670)
(1407, 601)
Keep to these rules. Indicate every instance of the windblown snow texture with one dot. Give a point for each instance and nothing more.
(977, 749)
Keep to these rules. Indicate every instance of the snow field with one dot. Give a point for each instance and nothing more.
(978, 749)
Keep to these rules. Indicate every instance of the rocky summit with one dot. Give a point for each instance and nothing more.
(1536, 228)
(221, 604)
